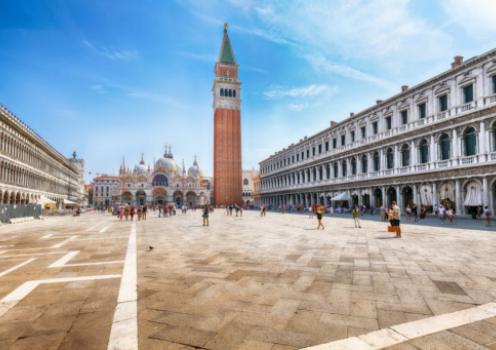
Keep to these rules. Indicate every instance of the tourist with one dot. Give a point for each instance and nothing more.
(236, 208)
(396, 216)
(205, 214)
(310, 211)
(415, 212)
(319, 210)
(159, 211)
(355, 213)
(436, 210)
(487, 216)
(230, 209)
(120, 212)
(442, 213)
(423, 213)
(139, 212)
(450, 215)
(132, 212)
(127, 210)
(408, 211)
(263, 212)
(145, 209)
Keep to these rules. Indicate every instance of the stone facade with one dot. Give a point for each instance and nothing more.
(432, 144)
(164, 182)
(249, 180)
(227, 127)
(31, 169)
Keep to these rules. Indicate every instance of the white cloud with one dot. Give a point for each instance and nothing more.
(476, 17)
(299, 92)
(112, 54)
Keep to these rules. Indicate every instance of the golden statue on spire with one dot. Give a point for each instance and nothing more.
(225, 26)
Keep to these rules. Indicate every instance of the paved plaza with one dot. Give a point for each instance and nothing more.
(244, 283)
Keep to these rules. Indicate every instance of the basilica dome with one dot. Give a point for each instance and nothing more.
(194, 170)
(166, 163)
(140, 169)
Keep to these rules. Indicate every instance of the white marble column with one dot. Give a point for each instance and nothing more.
(413, 153)
(415, 194)
(482, 138)
(458, 198)
(485, 192)
(384, 197)
(434, 195)
(455, 144)
(399, 201)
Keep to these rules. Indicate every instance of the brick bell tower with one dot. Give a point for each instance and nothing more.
(227, 127)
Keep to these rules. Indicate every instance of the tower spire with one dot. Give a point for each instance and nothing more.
(226, 55)
(142, 161)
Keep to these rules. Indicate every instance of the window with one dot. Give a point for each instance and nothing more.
(352, 136)
(377, 161)
(404, 116)
(388, 123)
(443, 103)
(343, 140)
(313, 151)
(405, 155)
(493, 78)
(321, 173)
(302, 155)
(389, 158)
(292, 159)
(234, 93)
(343, 168)
(364, 164)
(470, 142)
(493, 136)
(444, 144)
(335, 169)
(468, 93)
(327, 146)
(298, 157)
(422, 110)
(334, 143)
(320, 149)
(424, 151)
(221, 91)
(353, 166)
(245, 182)
(364, 132)
(374, 128)
(308, 153)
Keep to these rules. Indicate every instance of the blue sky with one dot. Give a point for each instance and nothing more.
(117, 78)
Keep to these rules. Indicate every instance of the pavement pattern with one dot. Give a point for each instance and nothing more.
(244, 283)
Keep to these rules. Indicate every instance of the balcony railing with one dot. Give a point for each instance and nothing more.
(490, 99)
(468, 160)
(467, 107)
(444, 114)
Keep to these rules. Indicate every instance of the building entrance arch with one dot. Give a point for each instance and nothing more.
(140, 197)
(127, 198)
(178, 198)
(407, 194)
(392, 195)
(378, 200)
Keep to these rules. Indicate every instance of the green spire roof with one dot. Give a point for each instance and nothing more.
(226, 52)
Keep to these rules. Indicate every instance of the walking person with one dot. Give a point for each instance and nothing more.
(415, 212)
(131, 213)
(355, 213)
(396, 213)
(310, 211)
(319, 210)
(145, 209)
(205, 214)
(139, 212)
(442, 213)
(450, 215)
(263, 212)
(487, 216)
(127, 210)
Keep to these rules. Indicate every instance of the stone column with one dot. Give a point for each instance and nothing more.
(399, 200)
(415, 194)
(396, 157)
(482, 138)
(434, 195)
(458, 198)
(485, 192)
(433, 150)
(413, 153)
(455, 146)
(384, 197)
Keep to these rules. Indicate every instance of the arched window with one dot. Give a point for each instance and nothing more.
(234, 93)
(353, 166)
(335, 166)
(343, 168)
(424, 151)
(405, 155)
(314, 173)
(160, 180)
(470, 141)
(328, 171)
(389, 158)
(444, 147)
(365, 164)
(321, 173)
(230, 93)
(221, 91)
(245, 182)
(377, 161)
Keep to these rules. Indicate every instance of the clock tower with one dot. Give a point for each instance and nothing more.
(227, 127)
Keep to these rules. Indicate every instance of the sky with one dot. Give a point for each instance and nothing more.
(117, 78)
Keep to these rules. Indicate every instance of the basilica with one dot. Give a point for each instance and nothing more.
(164, 182)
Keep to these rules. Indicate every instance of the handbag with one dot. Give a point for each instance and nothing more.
(391, 229)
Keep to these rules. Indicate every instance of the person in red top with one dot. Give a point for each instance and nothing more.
(131, 213)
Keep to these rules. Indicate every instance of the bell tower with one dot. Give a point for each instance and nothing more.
(227, 127)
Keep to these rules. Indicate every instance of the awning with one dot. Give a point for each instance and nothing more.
(447, 192)
(44, 200)
(473, 197)
(70, 203)
(426, 195)
(343, 196)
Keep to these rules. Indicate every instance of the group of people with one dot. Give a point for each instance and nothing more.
(237, 208)
(129, 211)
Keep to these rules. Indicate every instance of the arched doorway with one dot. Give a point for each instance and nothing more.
(159, 196)
(407, 193)
(178, 198)
(127, 198)
(391, 195)
(354, 200)
(160, 180)
(378, 198)
(472, 197)
(366, 200)
(140, 197)
(191, 199)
